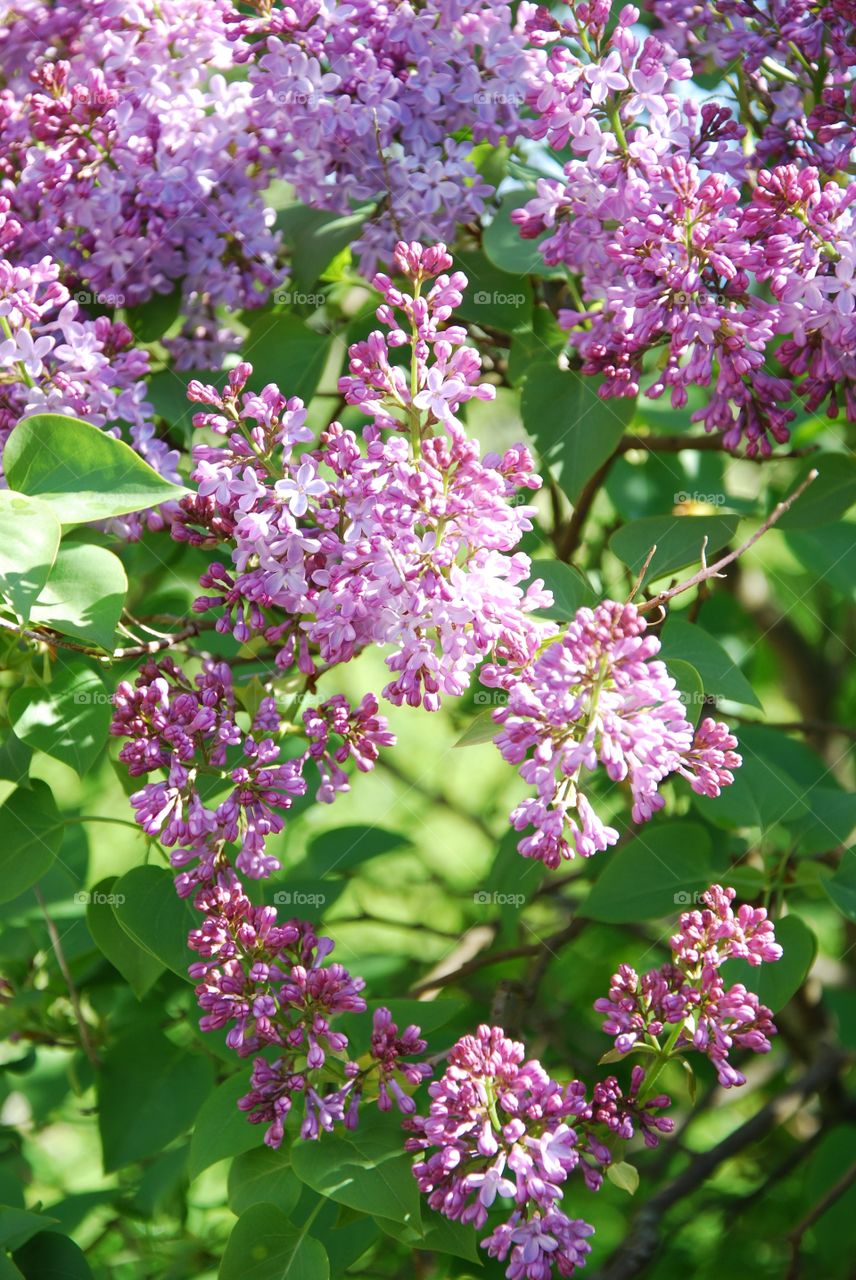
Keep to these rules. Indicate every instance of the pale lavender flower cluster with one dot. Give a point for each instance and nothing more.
(132, 157)
(376, 105)
(499, 1128)
(404, 536)
(652, 220)
(688, 999)
(596, 695)
(55, 360)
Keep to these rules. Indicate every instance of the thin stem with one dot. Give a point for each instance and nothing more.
(714, 570)
(56, 641)
(664, 1056)
(85, 1038)
(95, 817)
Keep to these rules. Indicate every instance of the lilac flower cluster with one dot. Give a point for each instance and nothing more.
(688, 999)
(593, 695)
(189, 729)
(499, 1127)
(796, 59)
(54, 360)
(667, 252)
(369, 104)
(269, 983)
(404, 536)
(132, 157)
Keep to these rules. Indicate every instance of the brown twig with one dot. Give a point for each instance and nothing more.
(817, 1211)
(554, 941)
(56, 641)
(714, 570)
(702, 444)
(643, 1241)
(571, 535)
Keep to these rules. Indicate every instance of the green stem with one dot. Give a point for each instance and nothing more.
(657, 1069)
(7, 329)
(94, 817)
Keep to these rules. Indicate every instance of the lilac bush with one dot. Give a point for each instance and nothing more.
(363, 361)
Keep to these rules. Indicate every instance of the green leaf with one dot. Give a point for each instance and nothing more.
(68, 719)
(264, 1245)
(841, 888)
(149, 1091)
(150, 320)
(504, 245)
(624, 1175)
(262, 1175)
(656, 874)
(84, 595)
(315, 238)
(534, 343)
(365, 1170)
(482, 729)
(29, 541)
(438, 1235)
(762, 795)
(137, 966)
(574, 428)
(829, 497)
(15, 758)
(830, 820)
(155, 917)
(774, 984)
(49, 1256)
(719, 673)
(282, 349)
(221, 1130)
(80, 471)
(17, 1226)
(689, 685)
(32, 834)
(494, 298)
(335, 851)
(167, 391)
(828, 554)
(571, 590)
(678, 539)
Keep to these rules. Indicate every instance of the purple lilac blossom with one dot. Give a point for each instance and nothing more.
(597, 695)
(362, 104)
(501, 1133)
(652, 219)
(691, 993)
(401, 535)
